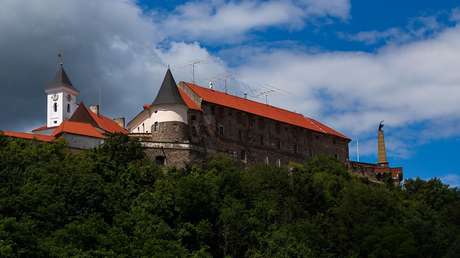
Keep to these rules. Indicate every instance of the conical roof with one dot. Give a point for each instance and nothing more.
(168, 93)
(61, 80)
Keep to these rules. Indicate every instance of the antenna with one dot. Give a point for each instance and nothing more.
(61, 58)
(266, 93)
(193, 68)
(357, 149)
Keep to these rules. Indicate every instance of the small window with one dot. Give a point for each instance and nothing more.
(261, 123)
(277, 128)
(240, 135)
(55, 107)
(55, 122)
(262, 140)
(221, 130)
(295, 148)
(251, 122)
(155, 126)
(334, 141)
(278, 144)
(68, 108)
(243, 155)
(160, 160)
(193, 118)
(143, 127)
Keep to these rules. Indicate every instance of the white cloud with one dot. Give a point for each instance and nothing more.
(417, 29)
(232, 20)
(453, 180)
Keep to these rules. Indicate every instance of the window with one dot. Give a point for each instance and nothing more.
(296, 148)
(243, 155)
(262, 140)
(221, 130)
(278, 144)
(143, 127)
(251, 122)
(261, 123)
(240, 135)
(193, 117)
(55, 107)
(68, 108)
(155, 126)
(277, 128)
(55, 122)
(160, 160)
(334, 141)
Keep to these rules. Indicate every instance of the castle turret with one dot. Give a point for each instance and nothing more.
(382, 153)
(169, 113)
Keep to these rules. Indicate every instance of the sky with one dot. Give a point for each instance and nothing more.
(348, 63)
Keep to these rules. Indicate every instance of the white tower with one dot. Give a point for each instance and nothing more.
(61, 98)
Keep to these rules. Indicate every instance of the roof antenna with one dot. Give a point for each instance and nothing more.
(193, 68)
(61, 58)
(357, 149)
(266, 93)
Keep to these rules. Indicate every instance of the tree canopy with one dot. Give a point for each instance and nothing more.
(114, 202)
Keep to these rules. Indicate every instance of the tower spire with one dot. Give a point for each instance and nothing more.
(382, 154)
(168, 92)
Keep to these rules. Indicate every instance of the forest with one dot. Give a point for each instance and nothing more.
(114, 202)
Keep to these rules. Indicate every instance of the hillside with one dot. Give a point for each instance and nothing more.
(113, 202)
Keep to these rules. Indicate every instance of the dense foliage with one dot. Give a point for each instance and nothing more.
(113, 202)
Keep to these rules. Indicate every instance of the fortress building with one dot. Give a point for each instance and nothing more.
(186, 123)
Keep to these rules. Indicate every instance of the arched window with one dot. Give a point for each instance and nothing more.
(155, 126)
(55, 107)
(68, 108)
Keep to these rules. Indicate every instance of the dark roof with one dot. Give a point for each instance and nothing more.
(61, 80)
(168, 93)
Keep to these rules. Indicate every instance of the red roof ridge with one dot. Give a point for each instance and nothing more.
(28, 136)
(241, 98)
(261, 109)
(78, 128)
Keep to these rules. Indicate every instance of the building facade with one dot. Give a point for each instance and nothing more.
(187, 122)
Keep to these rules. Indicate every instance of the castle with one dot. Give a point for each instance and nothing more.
(187, 123)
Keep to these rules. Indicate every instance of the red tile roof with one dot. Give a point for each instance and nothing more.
(42, 128)
(264, 110)
(77, 128)
(107, 124)
(188, 101)
(28, 136)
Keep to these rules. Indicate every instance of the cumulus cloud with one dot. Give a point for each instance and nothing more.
(212, 20)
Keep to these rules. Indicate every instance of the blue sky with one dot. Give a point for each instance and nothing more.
(348, 63)
(432, 158)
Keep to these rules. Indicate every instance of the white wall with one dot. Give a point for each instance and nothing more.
(162, 113)
(56, 118)
(81, 142)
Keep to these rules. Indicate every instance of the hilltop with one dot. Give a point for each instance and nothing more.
(112, 201)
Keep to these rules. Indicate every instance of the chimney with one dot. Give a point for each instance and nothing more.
(245, 95)
(120, 121)
(95, 109)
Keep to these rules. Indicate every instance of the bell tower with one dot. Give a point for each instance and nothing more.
(61, 97)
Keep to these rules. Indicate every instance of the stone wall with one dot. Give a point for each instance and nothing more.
(170, 132)
(255, 139)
